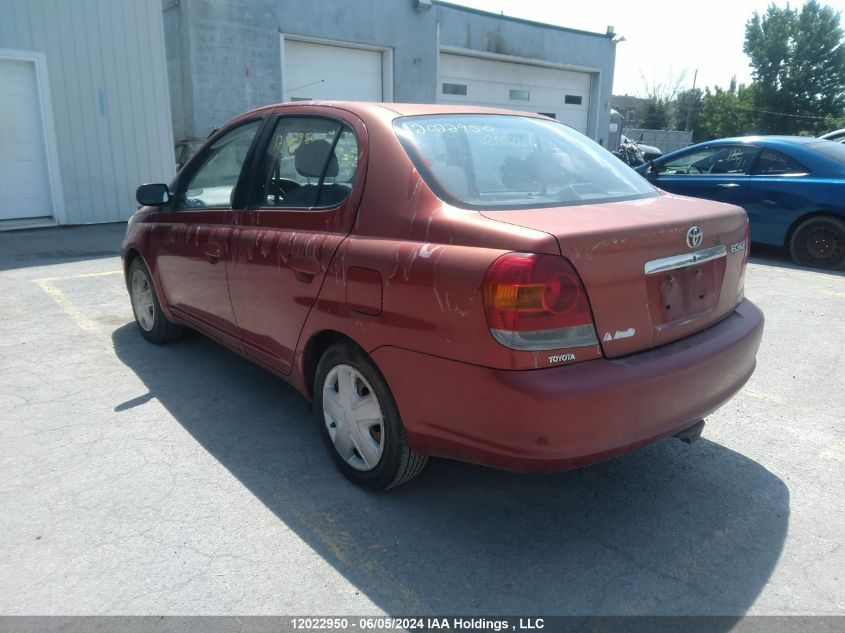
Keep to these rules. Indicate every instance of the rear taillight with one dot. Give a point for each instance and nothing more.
(537, 302)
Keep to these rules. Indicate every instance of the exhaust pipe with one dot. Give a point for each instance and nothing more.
(691, 434)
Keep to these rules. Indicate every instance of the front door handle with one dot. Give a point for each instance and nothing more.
(212, 253)
(727, 185)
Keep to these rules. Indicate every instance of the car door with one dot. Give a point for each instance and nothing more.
(719, 172)
(191, 241)
(779, 193)
(305, 196)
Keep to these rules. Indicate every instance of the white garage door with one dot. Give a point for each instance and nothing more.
(563, 94)
(323, 71)
(24, 179)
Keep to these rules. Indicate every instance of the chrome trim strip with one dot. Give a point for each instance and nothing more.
(687, 259)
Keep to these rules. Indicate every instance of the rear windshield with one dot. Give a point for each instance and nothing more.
(482, 161)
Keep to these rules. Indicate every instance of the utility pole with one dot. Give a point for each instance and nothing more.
(689, 103)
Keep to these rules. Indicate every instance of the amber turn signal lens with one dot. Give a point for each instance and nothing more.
(524, 298)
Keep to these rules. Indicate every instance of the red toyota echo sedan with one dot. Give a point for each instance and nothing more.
(479, 284)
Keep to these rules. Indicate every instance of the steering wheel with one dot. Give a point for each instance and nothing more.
(692, 169)
(278, 188)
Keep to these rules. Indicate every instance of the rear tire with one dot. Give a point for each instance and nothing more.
(359, 421)
(149, 317)
(819, 242)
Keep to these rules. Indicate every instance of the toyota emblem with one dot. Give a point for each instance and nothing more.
(695, 236)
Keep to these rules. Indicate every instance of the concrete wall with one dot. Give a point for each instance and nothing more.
(232, 48)
(105, 63)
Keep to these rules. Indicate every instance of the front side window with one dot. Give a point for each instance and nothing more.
(731, 159)
(213, 184)
(773, 163)
(310, 162)
(481, 161)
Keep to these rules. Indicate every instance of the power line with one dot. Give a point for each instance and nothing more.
(795, 116)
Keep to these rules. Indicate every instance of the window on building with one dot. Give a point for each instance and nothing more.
(520, 95)
(310, 162)
(455, 89)
(213, 184)
(572, 99)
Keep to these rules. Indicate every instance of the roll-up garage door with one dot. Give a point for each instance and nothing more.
(563, 94)
(327, 71)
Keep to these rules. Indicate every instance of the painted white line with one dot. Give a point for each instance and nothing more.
(761, 396)
(836, 453)
(66, 305)
(103, 274)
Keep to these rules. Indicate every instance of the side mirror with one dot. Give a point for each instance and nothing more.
(153, 195)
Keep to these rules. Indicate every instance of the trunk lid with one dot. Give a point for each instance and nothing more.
(646, 285)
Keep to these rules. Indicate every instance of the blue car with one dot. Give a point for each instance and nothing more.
(791, 187)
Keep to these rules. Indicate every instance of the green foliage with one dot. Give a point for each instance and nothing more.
(687, 109)
(798, 63)
(726, 113)
(655, 115)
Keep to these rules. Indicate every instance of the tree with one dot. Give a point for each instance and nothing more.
(687, 109)
(655, 115)
(798, 63)
(726, 112)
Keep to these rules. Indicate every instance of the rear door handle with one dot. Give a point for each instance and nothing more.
(727, 185)
(304, 268)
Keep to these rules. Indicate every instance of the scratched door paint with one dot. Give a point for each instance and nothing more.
(304, 205)
(193, 242)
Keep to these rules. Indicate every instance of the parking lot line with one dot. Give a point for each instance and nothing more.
(761, 396)
(102, 274)
(47, 284)
(344, 549)
(66, 304)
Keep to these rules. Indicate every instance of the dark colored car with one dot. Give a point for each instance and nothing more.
(479, 284)
(793, 189)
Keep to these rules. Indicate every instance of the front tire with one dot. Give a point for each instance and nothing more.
(149, 317)
(359, 421)
(819, 242)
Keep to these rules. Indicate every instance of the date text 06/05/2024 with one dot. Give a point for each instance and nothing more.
(410, 624)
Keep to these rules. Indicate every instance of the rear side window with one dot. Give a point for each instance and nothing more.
(509, 162)
(310, 162)
(773, 163)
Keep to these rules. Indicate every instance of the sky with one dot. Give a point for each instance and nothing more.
(665, 40)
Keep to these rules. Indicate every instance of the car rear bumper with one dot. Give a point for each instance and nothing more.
(570, 416)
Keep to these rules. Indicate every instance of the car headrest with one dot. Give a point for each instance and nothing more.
(310, 158)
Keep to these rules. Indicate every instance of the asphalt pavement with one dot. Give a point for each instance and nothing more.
(182, 479)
